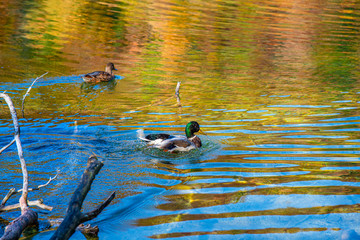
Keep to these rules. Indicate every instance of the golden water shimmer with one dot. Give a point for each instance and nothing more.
(273, 84)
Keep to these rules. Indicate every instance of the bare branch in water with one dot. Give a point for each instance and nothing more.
(74, 216)
(18, 142)
(177, 88)
(42, 185)
(27, 93)
(91, 215)
(39, 203)
(177, 94)
(8, 195)
(28, 217)
(7, 146)
(13, 191)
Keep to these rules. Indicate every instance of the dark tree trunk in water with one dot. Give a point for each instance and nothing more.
(74, 217)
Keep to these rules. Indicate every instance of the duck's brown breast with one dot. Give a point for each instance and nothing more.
(197, 141)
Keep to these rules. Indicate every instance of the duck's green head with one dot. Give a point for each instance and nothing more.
(191, 128)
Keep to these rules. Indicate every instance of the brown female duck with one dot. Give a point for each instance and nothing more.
(100, 76)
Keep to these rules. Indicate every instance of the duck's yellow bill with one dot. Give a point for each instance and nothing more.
(200, 131)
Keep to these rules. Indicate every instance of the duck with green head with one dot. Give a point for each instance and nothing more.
(174, 143)
(101, 76)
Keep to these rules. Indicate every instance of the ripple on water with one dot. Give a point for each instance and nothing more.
(276, 82)
(208, 148)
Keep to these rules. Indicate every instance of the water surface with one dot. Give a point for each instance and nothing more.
(275, 85)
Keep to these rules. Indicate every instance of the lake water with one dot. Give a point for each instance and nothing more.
(273, 84)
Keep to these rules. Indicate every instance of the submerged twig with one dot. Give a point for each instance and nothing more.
(89, 231)
(27, 93)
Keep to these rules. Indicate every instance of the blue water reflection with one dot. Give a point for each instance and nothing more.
(274, 86)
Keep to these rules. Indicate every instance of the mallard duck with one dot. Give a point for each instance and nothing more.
(100, 76)
(174, 143)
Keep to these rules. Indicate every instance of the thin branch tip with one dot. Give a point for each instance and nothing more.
(7, 146)
(27, 93)
(177, 88)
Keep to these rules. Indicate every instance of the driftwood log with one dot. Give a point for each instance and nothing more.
(74, 217)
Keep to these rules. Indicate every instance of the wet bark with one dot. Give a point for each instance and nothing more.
(14, 230)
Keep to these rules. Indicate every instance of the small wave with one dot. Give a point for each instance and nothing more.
(209, 146)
